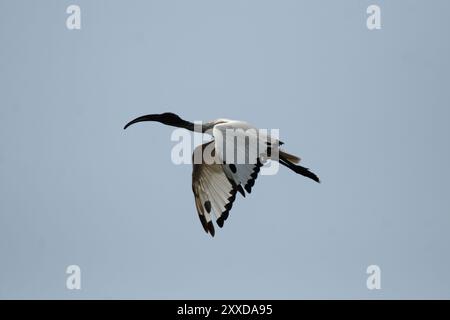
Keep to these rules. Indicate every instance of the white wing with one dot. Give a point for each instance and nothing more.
(215, 185)
(239, 146)
(214, 193)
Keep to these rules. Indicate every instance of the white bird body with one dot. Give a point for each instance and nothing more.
(217, 176)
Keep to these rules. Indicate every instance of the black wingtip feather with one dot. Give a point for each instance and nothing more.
(220, 221)
(210, 228)
(241, 191)
(224, 215)
(203, 221)
(251, 182)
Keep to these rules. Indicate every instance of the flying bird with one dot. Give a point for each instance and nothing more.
(215, 184)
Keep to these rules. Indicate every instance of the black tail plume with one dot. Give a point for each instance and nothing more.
(299, 169)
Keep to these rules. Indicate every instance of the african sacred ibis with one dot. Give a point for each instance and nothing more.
(216, 183)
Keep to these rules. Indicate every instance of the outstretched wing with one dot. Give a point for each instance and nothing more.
(244, 144)
(214, 192)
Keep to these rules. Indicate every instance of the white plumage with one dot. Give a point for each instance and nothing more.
(216, 183)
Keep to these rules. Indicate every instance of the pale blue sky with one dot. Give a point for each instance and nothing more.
(367, 110)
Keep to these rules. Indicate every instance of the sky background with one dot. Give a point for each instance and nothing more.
(368, 111)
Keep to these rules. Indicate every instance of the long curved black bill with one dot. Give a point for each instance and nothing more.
(148, 117)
